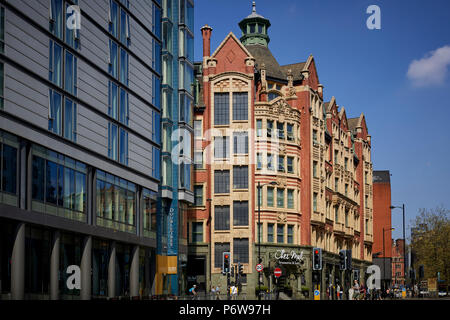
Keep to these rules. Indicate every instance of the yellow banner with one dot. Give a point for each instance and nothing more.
(166, 264)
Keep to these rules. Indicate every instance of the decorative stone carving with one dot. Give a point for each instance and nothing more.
(282, 217)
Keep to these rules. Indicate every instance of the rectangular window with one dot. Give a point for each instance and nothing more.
(123, 147)
(240, 213)
(124, 62)
(258, 127)
(119, 202)
(336, 154)
(167, 70)
(221, 147)
(221, 108)
(290, 199)
(346, 218)
(222, 181)
(240, 142)
(315, 171)
(70, 122)
(222, 217)
(281, 163)
(58, 180)
(346, 189)
(197, 232)
(346, 163)
(149, 207)
(56, 18)
(198, 129)
(336, 184)
(198, 196)
(219, 249)
(270, 164)
(269, 128)
(186, 44)
(186, 77)
(270, 196)
(290, 234)
(55, 112)
(270, 227)
(315, 136)
(240, 106)
(290, 164)
(8, 161)
(240, 250)
(198, 160)
(72, 34)
(186, 109)
(70, 73)
(112, 141)
(366, 227)
(124, 28)
(315, 201)
(280, 198)
(336, 214)
(114, 18)
(240, 177)
(280, 128)
(280, 233)
(124, 108)
(55, 63)
(113, 67)
(290, 131)
(258, 161)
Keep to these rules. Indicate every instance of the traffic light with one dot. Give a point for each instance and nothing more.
(232, 271)
(240, 268)
(342, 258)
(317, 259)
(349, 259)
(226, 262)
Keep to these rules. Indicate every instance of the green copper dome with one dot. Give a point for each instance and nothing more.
(254, 29)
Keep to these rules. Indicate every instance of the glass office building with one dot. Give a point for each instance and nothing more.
(177, 132)
(80, 147)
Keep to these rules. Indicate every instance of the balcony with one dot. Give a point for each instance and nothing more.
(338, 227)
(317, 218)
(368, 238)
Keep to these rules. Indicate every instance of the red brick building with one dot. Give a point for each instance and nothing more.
(398, 267)
(382, 233)
(262, 126)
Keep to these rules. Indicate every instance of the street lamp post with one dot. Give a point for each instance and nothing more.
(404, 242)
(384, 257)
(259, 231)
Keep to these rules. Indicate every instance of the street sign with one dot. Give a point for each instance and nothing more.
(259, 267)
(316, 295)
(277, 272)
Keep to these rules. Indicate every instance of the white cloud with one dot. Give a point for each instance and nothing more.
(432, 69)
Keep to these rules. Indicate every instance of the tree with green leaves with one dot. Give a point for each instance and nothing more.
(430, 242)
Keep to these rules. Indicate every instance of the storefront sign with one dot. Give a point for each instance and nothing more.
(292, 257)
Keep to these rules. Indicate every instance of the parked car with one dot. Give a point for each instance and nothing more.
(442, 293)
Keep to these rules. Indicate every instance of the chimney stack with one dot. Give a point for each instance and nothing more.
(206, 34)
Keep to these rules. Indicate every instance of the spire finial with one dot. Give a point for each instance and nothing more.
(254, 6)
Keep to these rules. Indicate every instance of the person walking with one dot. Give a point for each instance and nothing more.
(355, 289)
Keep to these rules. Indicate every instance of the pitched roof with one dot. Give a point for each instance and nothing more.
(353, 123)
(296, 69)
(262, 55)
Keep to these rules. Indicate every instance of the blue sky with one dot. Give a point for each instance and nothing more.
(406, 103)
